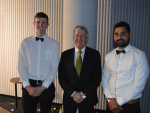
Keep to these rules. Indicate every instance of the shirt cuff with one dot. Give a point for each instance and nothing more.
(73, 93)
(83, 96)
(120, 101)
(26, 83)
(110, 96)
(46, 84)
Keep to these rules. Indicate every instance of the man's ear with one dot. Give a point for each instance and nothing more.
(130, 35)
(34, 23)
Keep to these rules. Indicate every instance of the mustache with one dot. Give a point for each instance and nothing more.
(120, 40)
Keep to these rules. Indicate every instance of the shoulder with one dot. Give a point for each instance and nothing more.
(68, 51)
(30, 38)
(92, 53)
(139, 57)
(111, 54)
(91, 50)
(51, 40)
(137, 52)
(27, 40)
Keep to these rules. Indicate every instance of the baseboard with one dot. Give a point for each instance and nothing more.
(9, 96)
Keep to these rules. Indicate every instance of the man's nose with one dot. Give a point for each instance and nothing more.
(79, 38)
(119, 36)
(40, 24)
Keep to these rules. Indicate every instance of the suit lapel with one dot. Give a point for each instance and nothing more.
(85, 62)
(71, 62)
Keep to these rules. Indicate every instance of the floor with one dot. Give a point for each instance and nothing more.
(8, 103)
(3, 110)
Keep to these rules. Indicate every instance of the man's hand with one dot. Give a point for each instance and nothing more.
(77, 97)
(40, 89)
(113, 105)
(32, 91)
(117, 110)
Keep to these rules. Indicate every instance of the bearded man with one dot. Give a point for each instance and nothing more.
(125, 73)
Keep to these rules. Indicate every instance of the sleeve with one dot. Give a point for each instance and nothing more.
(92, 86)
(105, 80)
(63, 79)
(22, 64)
(141, 75)
(53, 71)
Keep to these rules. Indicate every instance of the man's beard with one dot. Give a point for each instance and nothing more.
(122, 44)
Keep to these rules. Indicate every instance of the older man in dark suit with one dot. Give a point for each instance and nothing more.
(80, 74)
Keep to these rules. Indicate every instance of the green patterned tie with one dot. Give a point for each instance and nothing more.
(79, 63)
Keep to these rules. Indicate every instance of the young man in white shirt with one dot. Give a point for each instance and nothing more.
(38, 66)
(125, 73)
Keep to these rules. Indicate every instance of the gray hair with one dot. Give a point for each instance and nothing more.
(83, 28)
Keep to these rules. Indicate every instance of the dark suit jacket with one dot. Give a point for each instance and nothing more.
(90, 75)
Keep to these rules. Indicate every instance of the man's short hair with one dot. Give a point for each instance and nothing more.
(83, 28)
(122, 24)
(41, 15)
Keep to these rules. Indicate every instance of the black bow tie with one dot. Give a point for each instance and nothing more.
(37, 38)
(117, 51)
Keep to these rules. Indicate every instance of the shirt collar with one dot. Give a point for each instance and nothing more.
(127, 48)
(41, 37)
(76, 49)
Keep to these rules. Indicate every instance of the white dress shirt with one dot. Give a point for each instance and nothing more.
(124, 75)
(38, 60)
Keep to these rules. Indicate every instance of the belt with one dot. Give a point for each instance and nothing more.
(133, 101)
(38, 82)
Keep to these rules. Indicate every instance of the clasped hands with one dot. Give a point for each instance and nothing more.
(77, 97)
(35, 91)
(113, 105)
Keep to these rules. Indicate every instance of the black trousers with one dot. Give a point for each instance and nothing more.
(128, 108)
(70, 106)
(82, 109)
(30, 103)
